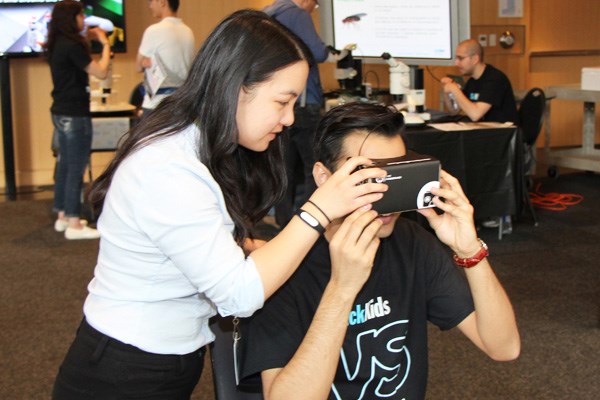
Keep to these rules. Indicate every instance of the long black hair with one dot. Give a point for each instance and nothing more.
(244, 50)
(64, 22)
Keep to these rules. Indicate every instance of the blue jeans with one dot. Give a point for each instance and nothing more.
(100, 367)
(75, 142)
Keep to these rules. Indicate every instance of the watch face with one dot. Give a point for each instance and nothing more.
(309, 218)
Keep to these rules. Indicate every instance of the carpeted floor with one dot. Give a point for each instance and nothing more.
(549, 271)
(552, 274)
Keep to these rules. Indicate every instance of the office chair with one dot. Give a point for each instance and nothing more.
(221, 357)
(531, 117)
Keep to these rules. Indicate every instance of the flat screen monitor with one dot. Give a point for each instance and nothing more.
(24, 24)
(418, 32)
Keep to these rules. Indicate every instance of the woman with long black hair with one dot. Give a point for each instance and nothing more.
(70, 61)
(178, 206)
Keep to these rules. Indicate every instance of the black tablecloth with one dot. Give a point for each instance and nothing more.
(484, 161)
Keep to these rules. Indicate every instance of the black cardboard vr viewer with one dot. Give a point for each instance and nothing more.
(410, 179)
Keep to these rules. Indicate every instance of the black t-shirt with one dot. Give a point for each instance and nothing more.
(385, 349)
(493, 87)
(71, 91)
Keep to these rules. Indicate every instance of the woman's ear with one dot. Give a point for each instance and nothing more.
(320, 173)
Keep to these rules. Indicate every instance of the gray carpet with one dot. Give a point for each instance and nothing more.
(550, 272)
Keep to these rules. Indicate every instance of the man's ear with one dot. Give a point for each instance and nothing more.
(320, 173)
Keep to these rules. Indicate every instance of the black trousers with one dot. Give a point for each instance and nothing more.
(299, 151)
(99, 367)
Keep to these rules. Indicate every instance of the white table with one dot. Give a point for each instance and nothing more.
(586, 157)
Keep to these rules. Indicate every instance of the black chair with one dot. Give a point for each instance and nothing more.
(136, 99)
(221, 357)
(531, 117)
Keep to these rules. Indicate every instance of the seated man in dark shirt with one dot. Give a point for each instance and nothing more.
(351, 323)
(487, 95)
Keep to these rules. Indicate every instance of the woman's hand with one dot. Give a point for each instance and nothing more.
(347, 189)
(455, 227)
(98, 35)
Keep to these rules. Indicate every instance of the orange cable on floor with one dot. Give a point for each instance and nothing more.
(553, 201)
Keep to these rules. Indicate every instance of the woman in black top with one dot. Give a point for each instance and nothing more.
(70, 63)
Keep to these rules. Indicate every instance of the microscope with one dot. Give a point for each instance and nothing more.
(348, 71)
(104, 88)
(107, 83)
(404, 82)
(399, 79)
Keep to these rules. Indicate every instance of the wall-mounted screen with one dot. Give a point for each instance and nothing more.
(24, 24)
(419, 32)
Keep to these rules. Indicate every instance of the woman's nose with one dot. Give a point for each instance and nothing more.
(288, 117)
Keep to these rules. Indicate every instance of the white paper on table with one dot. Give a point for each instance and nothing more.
(466, 126)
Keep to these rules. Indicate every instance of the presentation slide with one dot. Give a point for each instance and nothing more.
(403, 28)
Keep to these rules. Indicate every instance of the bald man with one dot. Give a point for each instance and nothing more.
(487, 95)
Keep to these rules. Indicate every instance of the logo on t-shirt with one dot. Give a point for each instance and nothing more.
(376, 364)
(473, 96)
(372, 309)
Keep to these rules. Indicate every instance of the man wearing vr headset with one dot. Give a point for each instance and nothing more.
(352, 320)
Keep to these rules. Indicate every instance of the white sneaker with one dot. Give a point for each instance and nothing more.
(492, 222)
(85, 233)
(61, 224)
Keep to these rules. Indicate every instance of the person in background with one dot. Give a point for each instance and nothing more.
(487, 94)
(295, 15)
(168, 46)
(352, 320)
(178, 207)
(70, 62)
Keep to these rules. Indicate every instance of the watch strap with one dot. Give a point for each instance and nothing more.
(472, 261)
(310, 220)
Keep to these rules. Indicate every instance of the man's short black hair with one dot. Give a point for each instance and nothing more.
(346, 119)
(174, 5)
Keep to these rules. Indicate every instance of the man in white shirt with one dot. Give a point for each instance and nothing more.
(165, 54)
